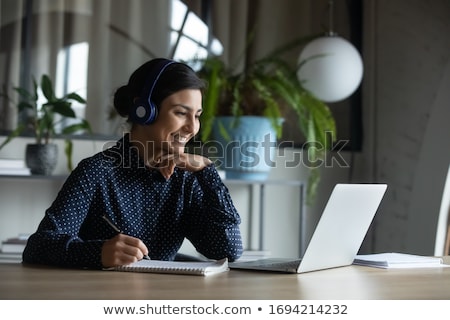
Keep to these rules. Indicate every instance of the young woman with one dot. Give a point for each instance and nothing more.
(144, 195)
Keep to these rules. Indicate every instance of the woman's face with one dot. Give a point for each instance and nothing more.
(177, 122)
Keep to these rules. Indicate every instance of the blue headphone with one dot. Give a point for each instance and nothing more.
(144, 111)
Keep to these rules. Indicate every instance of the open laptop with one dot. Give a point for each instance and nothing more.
(338, 235)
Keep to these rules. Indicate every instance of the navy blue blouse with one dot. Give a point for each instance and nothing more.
(141, 203)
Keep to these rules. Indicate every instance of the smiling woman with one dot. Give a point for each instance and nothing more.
(163, 102)
(146, 185)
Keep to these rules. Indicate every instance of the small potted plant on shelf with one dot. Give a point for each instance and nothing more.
(42, 120)
(261, 96)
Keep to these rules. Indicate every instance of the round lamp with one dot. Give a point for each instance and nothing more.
(331, 68)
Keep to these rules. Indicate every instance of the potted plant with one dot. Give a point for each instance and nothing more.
(41, 120)
(266, 90)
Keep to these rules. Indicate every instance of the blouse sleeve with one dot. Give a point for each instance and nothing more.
(215, 232)
(57, 241)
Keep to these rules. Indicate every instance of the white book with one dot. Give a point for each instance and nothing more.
(13, 167)
(15, 171)
(10, 257)
(204, 268)
(398, 260)
(14, 245)
(12, 163)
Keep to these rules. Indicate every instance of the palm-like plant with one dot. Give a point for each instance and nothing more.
(268, 87)
(42, 120)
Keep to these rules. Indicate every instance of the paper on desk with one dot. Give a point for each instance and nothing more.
(398, 260)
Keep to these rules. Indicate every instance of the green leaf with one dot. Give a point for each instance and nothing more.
(224, 131)
(26, 95)
(16, 132)
(63, 108)
(47, 88)
(24, 105)
(73, 128)
(211, 97)
(76, 97)
(313, 184)
(68, 150)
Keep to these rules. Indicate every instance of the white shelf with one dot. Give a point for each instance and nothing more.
(33, 177)
(260, 185)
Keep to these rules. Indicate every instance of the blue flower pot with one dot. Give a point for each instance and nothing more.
(246, 147)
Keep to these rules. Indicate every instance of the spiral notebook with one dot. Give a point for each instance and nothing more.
(204, 268)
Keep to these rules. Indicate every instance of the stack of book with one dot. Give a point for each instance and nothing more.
(12, 248)
(13, 167)
(398, 260)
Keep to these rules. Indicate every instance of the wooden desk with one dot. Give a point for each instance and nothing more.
(353, 282)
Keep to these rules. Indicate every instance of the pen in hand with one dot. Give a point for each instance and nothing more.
(112, 225)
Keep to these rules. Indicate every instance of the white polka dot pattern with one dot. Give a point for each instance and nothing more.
(141, 203)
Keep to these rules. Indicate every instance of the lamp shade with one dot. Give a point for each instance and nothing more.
(332, 68)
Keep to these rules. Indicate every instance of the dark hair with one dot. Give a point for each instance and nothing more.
(177, 76)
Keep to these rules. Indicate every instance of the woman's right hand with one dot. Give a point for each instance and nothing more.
(186, 161)
(122, 249)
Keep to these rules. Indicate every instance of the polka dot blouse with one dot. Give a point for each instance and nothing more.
(141, 203)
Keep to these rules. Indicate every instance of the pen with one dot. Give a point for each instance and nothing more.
(112, 225)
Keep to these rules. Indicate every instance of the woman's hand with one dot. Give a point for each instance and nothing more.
(122, 249)
(186, 161)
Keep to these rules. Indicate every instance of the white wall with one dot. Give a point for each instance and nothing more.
(407, 95)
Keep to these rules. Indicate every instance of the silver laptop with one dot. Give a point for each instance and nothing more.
(338, 235)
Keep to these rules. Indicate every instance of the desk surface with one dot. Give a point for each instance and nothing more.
(352, 282)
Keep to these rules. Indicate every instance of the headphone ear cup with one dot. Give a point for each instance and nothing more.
(144, 112)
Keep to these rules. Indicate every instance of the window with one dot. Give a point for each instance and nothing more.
(190, 36)
(71, 75)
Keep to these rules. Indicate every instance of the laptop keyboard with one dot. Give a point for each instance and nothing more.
(284, 265)
(270, 263)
